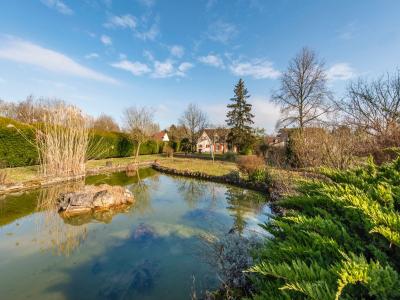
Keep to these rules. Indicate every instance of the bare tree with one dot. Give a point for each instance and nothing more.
(303, 93)
(105, 122)
(194, 121)
(373, 106)
(140, 125)
(176, 133)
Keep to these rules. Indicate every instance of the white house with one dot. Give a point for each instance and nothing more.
(161, 136)
(211, 141)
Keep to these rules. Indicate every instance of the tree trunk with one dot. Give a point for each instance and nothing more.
(137, 151)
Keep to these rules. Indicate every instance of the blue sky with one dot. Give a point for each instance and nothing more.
(106, 55)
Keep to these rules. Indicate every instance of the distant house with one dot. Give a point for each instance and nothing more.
(161, 136)
(213, 140)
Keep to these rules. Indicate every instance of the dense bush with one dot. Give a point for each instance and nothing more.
(250, 163)
(168, 150)
(338, 239)
(315, 147)
(229, 156)
(17, 144)
(16, 148)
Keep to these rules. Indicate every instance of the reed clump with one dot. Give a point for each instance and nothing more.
(62, 139)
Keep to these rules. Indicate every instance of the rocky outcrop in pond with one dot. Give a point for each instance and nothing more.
(91, 198)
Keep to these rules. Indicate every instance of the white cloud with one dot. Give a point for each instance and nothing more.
(58, 5)
(177, 51)
(106, 40)
(22, 51)
(184, 67)
(340, 71)
(92, 55)
(212, 60)
(136, 68)
(163, 69)
(221, 32)
(167, 69)
(124, 21)
(256, 68)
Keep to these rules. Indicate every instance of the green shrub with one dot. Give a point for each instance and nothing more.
(259, 175)
(17, 144)
(229, 156)
(338, 239)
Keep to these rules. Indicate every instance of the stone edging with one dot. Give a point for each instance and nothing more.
(228, 179)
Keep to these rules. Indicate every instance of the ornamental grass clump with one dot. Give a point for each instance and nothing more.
(62, 139)
(339, 239)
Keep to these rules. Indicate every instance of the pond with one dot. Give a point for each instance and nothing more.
(154, 249)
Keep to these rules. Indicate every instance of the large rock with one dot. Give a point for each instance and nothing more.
(92, 197)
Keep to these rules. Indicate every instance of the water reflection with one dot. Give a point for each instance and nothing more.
(192, 190)
(242, 204)
(146, 251)
(61, 238)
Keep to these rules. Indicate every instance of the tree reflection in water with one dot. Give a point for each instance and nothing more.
(141, 189)
(192, 190)
(242, 203)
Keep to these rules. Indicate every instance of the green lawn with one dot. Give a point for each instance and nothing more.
(218, 168)
(21, 174)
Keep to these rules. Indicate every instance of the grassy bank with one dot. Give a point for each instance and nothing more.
(22, 174)
(218, 168)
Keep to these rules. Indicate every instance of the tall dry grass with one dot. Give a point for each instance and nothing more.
(62, 139)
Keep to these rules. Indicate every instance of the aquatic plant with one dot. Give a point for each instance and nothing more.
(339, 238)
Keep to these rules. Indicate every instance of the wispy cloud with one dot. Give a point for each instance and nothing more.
(124, 21)
(212, 60)
(22, 51)
(58, 5)
(163, 69)
(159, 69)
(184, 67)
(92, 55)
(340, 71)
(149, 33)
(256, 68)
(106, 40)
(135, 67)
(177, 51)
(222, 32)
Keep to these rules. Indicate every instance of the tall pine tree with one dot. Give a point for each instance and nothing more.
(240, 118)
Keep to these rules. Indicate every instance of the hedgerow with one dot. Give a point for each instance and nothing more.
(17, 144)
(339, 238)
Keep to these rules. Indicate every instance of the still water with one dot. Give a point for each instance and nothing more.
(151, 250)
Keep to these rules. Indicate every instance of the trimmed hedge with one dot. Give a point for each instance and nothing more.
(15, 148)
(17, 151)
